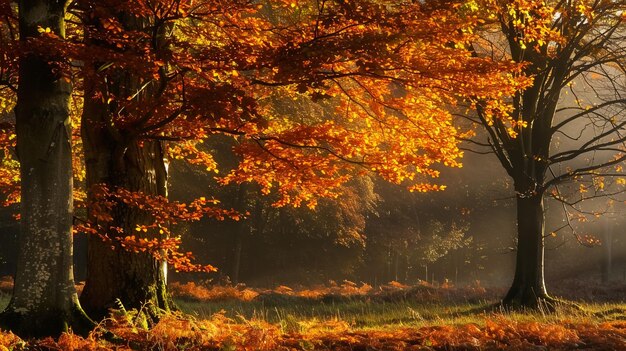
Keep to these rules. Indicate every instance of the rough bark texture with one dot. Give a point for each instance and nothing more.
(44, 297)
(117, 158)
(528, 289)
(136, 279)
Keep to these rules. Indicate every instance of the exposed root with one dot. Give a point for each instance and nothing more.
(51, 323)
(543, 304)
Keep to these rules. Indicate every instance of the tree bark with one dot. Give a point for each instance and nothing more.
(136, 279)
(528, 289)
(117, 157)
(44, 301)
(607, 246)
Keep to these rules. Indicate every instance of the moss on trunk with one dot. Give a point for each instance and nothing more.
(44, 298)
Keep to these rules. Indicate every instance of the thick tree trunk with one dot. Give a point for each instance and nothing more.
(44, 297)
(528, 289)
(136, 279)
(117, 158)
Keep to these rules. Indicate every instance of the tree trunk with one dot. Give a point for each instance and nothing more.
(240, 232)
(528, 289)
(136, 279)
(238, 249)
(607, 246)
(44, 299)
(117, 160)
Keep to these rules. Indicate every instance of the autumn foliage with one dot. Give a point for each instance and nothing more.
(222, 333)
(493, 331)
(313, 94)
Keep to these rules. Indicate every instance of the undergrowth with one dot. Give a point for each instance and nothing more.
(348, 317)
(179, 331)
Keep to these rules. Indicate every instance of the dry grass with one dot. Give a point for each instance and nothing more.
(180, 332)
(348, 316)
(333, 290)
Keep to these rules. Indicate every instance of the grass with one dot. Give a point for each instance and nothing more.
(364, 314)
(358, 312)
(391, 306)
(420, 317)
(347, 317)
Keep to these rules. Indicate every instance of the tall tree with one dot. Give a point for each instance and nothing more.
(44, 299)
(552, 139)
(133, 107)
(221, 65)
(117, 157)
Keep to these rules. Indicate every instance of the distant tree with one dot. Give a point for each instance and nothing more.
(412, 236)
(275, 245)
(552, 139)
(44, 299)
(325, 243)
(441, 241)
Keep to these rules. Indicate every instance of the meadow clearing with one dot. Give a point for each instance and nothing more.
(348, 316)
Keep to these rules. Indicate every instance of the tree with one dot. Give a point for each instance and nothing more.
(217, 63)
(133, 107)
(551, 139)
(44, 299)
(116, 157)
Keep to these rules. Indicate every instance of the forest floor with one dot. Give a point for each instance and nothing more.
(348, 316)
